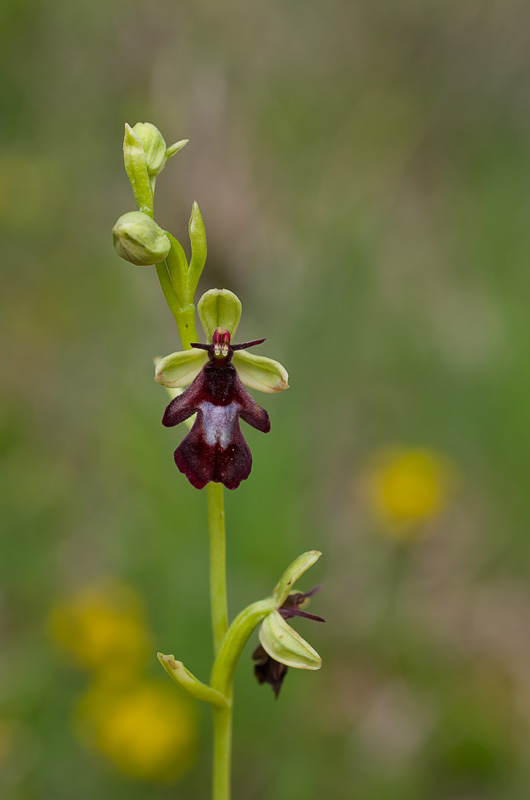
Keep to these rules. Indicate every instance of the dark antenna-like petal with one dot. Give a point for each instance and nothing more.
(246, 345)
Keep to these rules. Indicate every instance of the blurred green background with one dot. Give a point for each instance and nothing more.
(363, 171)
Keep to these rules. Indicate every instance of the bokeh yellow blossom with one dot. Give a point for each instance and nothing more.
(147, 730)
(101, 627)
(407, 487)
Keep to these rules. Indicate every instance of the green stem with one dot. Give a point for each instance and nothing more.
(221, 681)
(222, 718)
(170, 281)
(216, 527)
(184, 316)
(186, 325)
(222, 751)
(236, 638)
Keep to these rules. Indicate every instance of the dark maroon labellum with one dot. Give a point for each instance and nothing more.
(267, 670)
(215, 449)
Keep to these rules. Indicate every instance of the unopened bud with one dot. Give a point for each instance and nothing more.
(138, 239)
(154, 147)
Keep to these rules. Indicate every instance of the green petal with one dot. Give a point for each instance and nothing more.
(261, 373)
(285, 645)
(219, 308)
(292, 573)
(180, 369)
(182, 676)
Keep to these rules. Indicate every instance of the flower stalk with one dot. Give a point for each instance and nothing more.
(218, 593)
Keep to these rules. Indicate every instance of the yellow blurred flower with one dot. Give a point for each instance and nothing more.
(407, 487)
(147, 730)
(102, 627)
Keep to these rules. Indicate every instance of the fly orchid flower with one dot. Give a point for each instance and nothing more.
(280, 645)
(215, 449)
(266, 668)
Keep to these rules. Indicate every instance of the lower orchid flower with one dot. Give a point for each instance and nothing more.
(215, 449)
(267, 669)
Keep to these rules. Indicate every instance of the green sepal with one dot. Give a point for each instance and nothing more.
(261, 373)
(285, 645)
(219, 308)
(180, 369)
(198, 249)
(201, 691)
(292, 573)
(136, 168)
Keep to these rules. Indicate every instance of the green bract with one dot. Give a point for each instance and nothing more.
(188, 681)
(198, 248)
(139, 240)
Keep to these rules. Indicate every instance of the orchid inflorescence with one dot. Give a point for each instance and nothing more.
(206, 381)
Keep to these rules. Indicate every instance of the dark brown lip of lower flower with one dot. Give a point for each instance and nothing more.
(267, 670)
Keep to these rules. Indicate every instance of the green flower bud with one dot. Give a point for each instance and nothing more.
(154, 147)
(138, 239)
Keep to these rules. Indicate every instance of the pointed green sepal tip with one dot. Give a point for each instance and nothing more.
(285, 645)
(219, 308)
(292, 573)
(261, 373)
(180, 369)
(201, 691)
(153, 145)
(131, 138)
(139, 240)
